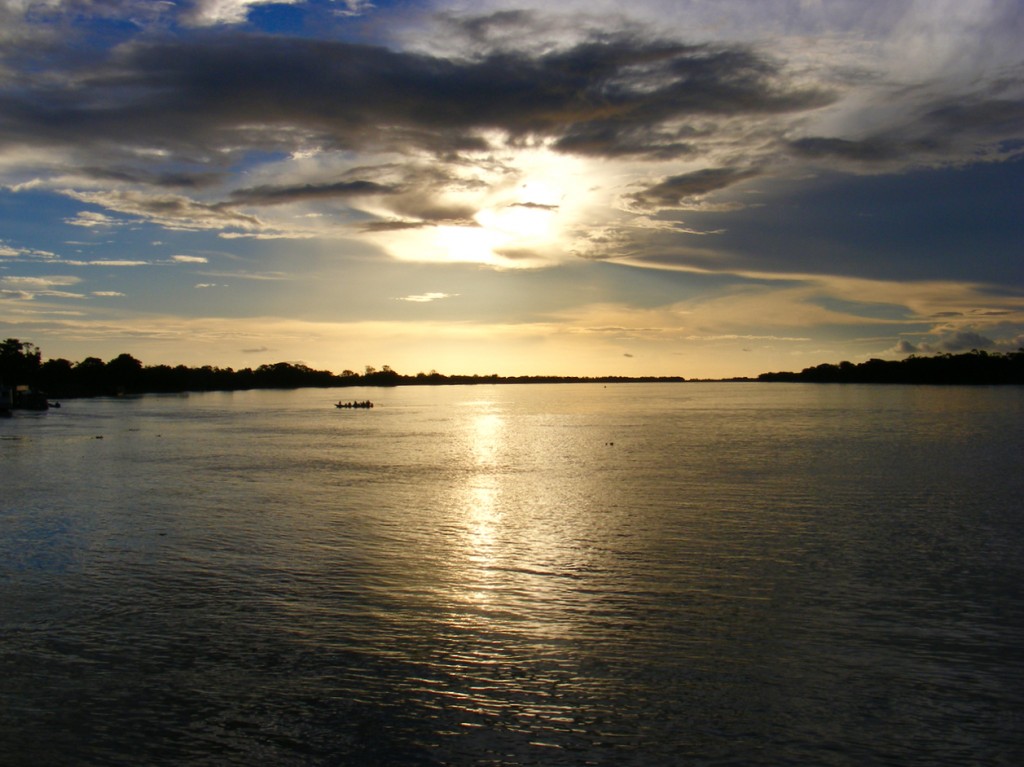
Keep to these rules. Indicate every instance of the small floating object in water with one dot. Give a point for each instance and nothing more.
(365, 404)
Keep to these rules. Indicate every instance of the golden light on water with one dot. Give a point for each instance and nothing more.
(511, 563)
(487, 432)
(482, 495)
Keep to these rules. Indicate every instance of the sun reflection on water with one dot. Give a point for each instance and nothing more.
(508, 608)
(509, 570)
(482, 495)
(481, 536)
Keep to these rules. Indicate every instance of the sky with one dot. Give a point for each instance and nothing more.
(703, 188)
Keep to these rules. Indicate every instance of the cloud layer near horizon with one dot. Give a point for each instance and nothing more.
(762, 145)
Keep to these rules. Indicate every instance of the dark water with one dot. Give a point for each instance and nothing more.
(687, 574)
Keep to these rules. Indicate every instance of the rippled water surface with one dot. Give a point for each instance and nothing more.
(666, 574)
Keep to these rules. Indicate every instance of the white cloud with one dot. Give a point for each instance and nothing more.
(41, 282)
(7, 251)
(425, 298)
(106, 262)
(30, 288)
(172, 211)
(92, 220)
(212, 12)
(243, 275)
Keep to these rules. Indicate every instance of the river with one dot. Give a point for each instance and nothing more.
(631, 574)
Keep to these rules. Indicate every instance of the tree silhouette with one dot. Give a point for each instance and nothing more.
(122, 374)
(19, 362)
(90, 376)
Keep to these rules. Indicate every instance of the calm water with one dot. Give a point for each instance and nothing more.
(705, 574)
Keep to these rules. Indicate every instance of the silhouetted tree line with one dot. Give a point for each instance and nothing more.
(975, 367)
(21, 364)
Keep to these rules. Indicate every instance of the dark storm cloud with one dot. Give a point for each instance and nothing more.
(414, 195)
(608, 139)
(175, 180)
(394, 226)
(672, 191)
(201, 96)
(867, 150)
(533, 206)
(485, 29)
(172, 211)
(938, 132)
(279, 195)
(992, 116)
(423, 205)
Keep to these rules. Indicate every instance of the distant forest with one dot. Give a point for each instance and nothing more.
(975, 367)
(21, 364)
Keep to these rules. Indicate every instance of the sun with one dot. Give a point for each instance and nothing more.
(467, 244)
(519, 221)
(525, 209)
(512, 228)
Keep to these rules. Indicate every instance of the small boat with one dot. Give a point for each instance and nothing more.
(365, 404)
